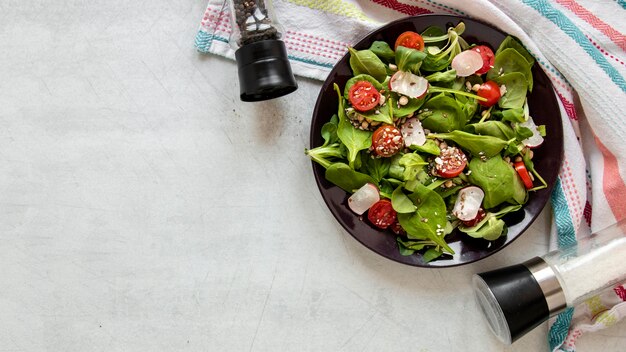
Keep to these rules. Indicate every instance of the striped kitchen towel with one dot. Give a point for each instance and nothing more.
(581, 46)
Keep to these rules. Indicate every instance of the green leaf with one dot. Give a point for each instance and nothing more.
(509, 61)
(429, 147)
(378, 168)
(516, 87)
(382, 50)
(329, 132)
(432, 254)
(513, 43)
(363, 77)
(401, 203)
(498, 180)
(492, 128)
(429, 221)
(490, 228)
(510, 115)
(354, 139)
(442, 114)
(366, 62)
(486, 146)
(400, 111)
(374, 115)
(413, 163)
(446, 76)
(344, 177)
(409, 60)
(522, 132)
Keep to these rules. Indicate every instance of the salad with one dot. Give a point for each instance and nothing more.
(434, 135)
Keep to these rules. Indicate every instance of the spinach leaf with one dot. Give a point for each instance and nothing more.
(428, 222)
(468, 105)
(498, 180)
(346, 178)
(374, 115)
(354, 139)
(409, 247)
(442, 114)
(397, 110)
(378, 168)
(516, 86)
(511, 115)
(382, 50)
(409, 60)
(395, 169)
(329, 131)
(492, 128)
(522, 132)
(366, 62)
(429, 147)
(509, 61)
(401, 203)
(481, 146)
(490, 228)
(413, 163)
(511, 42)
(363, 77)
(446, 76)
(432, 254)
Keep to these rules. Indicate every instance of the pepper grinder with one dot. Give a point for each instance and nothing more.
(262, 61)
(516, 299)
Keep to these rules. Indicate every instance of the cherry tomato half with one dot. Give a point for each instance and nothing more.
(488, 58)
(363, 96)
(490, 91)
(381, 214)
(387, 141)
(523, 174)
(411, 40)
(479, 216)
(450, 162)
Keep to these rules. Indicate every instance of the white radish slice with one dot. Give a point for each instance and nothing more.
(406, 83)
(467, 63)
(468, 203)
(536, 139)
(363, 198)
(413, 132)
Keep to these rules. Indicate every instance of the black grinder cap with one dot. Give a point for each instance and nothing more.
(512, 301)
(264, 71)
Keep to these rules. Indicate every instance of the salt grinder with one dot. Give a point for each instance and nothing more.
(516, 299)
(264, 68)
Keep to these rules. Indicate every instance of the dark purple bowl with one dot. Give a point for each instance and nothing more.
(543, 108)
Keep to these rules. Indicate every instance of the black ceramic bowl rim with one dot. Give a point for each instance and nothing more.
(544, 109)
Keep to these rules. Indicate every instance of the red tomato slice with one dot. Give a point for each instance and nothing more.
(489, 90)
(363, 96)
(523, 174)
(411, 40)
(450, 162)
(471, 223)
(387, 141)
(488, 58)
(381, 214)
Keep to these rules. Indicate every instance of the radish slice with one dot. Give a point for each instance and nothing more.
(413, 132)
(468, 202)
(536, 139)
(363, 198)
(406, 83)
(467, 63)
